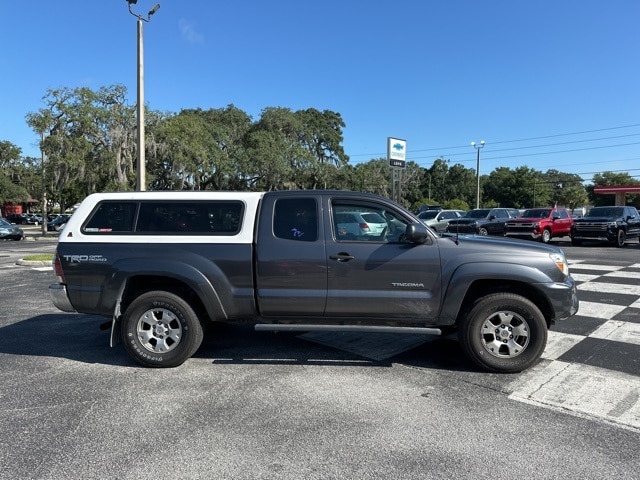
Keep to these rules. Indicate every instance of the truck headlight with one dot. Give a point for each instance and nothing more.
(561, 262)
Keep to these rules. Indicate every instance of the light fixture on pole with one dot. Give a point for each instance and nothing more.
(140, 182)
(478, 147)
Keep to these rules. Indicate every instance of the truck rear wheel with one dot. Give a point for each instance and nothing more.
(160, 329)
(503, 333)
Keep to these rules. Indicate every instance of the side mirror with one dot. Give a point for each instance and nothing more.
(416, 233)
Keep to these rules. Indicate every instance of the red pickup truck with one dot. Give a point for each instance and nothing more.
(540, 224)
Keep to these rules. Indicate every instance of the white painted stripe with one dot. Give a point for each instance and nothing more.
(610, 288)
(583, 277)
(583, 390)
(618, 331)
(636, 304)
(559, 343)
(593, 266)
(598, 310)
(623, 274)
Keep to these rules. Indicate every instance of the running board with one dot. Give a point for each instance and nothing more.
(292, 327)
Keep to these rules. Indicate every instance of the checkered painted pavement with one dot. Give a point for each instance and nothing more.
(591, 366)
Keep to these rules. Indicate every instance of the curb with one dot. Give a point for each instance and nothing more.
(34, 263)
(40, 238)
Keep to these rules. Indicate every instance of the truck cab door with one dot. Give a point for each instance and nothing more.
(290, 258)
(379, 275)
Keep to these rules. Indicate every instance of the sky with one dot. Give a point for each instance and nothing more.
(547, 84)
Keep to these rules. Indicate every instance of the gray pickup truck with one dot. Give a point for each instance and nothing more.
(161, 265)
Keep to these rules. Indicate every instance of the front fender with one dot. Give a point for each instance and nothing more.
(463, 278)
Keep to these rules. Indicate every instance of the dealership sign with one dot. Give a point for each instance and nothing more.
(397, 152)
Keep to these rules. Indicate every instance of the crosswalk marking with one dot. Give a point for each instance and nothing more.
(593, 266)
(610, 395)
(560, 343)
(618, 331)
(583, 390)
(583, 277)
(625, 274)
(609, 288)
(598, 310)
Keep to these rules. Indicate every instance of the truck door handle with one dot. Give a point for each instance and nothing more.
(342, 257)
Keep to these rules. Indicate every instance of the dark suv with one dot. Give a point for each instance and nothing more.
(610, 224)
(483, 221)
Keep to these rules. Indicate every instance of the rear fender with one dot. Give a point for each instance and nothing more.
(210, 286)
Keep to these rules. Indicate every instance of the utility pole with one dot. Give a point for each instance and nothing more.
(140, 178)
(478, 147)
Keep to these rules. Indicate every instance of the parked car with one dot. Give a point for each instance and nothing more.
(16, 218)
(438, 220)
(541, 224)
(614, 225)
(483, 221)
(57, 223)
(9, 231)
(33, 219)
(360, 224)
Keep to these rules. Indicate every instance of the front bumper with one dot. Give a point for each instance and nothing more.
(59, 297)
(563, 298)
(527, 235)
(603, 237)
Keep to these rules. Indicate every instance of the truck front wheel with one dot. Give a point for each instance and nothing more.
(620, 238)
(546, 236)
(160, 329)
(503, 333)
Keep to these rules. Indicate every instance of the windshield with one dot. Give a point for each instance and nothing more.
(537, 213)
(4, 223)
(481, 213)
(605, 212)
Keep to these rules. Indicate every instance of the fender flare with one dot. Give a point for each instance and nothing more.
(465, 275)
(209, 284)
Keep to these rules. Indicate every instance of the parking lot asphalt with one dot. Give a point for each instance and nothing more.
(288, 406)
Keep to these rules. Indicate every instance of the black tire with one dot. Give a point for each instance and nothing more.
(160, 329)
(483, 231)
(621, 237)
(503, 333)
(546, 236)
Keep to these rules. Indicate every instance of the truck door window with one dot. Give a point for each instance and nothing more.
(296, 219)
(365, 223)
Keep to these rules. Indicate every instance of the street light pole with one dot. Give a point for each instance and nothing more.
(478, 147)
(140, 178)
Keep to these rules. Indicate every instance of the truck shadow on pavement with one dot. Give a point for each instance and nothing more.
(78, 337)
(240, 344)
(74, 337)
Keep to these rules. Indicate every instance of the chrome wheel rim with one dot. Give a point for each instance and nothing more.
(159, 330)
(505, 334)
